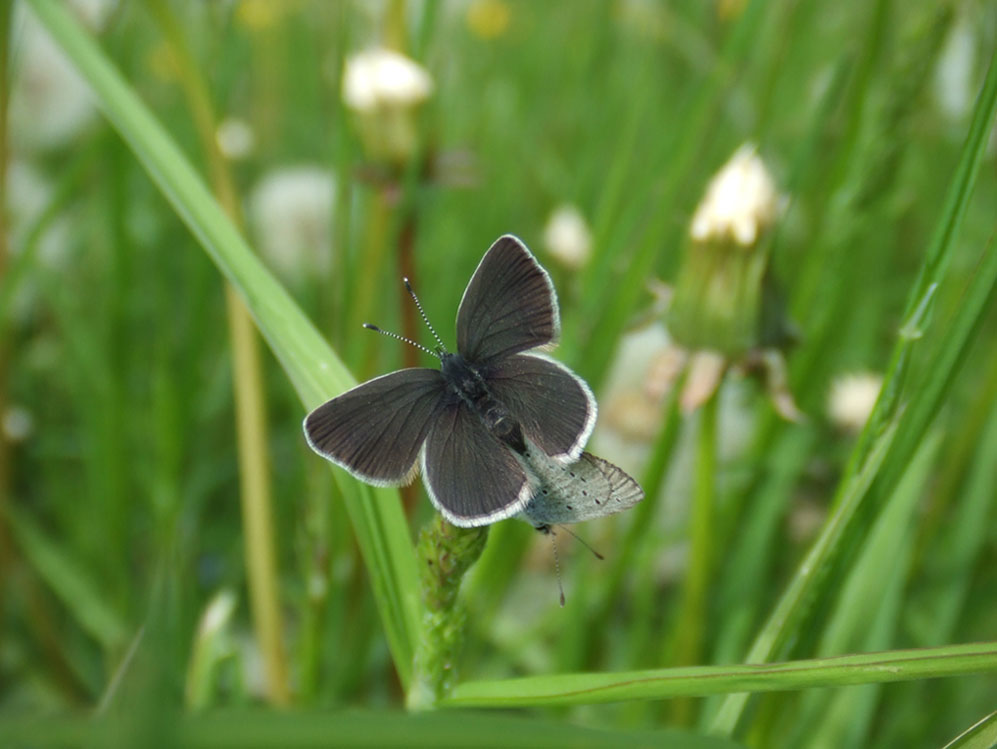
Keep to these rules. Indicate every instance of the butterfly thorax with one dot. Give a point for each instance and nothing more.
(466, 381)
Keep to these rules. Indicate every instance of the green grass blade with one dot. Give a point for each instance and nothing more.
(867, 611)
(312, 366)
(981, 735)
(81, 595)
(354, 728)
(791, 607)
(699, 681)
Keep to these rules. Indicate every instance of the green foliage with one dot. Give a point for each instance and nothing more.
(812, 546)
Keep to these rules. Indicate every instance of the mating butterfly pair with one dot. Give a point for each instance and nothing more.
(499, 430)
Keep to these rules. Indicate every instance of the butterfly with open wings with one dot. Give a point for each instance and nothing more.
(499, 429)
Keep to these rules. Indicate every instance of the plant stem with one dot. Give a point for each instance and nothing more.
(689, 629)
(447, 553)
(5, 79)
(251, 426)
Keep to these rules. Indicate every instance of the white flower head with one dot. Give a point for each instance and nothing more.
(18, 423)
(50, 103)
(291, 211)
(741, 201)
(955, 86)
(384, 79)
(567, 237)
(29, 195)
(235, 138)
(852, 398)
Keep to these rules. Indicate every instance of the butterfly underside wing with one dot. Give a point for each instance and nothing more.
(588, 488)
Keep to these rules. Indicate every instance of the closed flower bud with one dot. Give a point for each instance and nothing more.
(851, 400)
(50, 104)
(718, 292)
(235, 138)
(726, 308)
(291, 212)
(567, 237)
(740, 203)
(384, 89)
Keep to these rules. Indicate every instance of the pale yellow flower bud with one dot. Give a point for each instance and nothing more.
(740, 203)
(384, 79)
(384, 89)
(852, 398)
(567, 237)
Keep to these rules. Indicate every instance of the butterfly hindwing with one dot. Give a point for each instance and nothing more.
(555, 407)
(588, 488)
(472, 478)
(509, 305)
(376, 430)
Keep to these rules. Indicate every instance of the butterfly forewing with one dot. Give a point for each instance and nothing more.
(376, 430)
(509, 304)
(472, 478)
(554, 407)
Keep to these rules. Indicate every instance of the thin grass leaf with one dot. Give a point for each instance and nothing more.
(67, 579)
(699, 681)
(356, 728)
(313, 368)
(982, 735)
(866, 612)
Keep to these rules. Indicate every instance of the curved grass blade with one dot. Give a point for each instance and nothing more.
(312, 366)
(980, 735)
(699, 681)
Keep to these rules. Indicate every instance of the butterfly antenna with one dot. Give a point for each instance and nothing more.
(557, 566)
(582, 541)
(401, 338)
(422, 312)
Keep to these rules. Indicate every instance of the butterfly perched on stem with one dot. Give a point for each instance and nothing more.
(499, 429)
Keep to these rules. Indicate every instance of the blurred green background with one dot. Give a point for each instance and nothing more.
(123, 554)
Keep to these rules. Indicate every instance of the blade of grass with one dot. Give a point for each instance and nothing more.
(312, 366)
(981, 735)
(699, 681)
(865, 615)
(81, 595)
(256, 498)
(354, 728)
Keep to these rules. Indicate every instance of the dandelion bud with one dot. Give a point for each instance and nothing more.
(740, 202)
(384, 89)
(17, 423)
(235, 138)
(718, 293)
(851, 400)
(567, 237)
(290, 210)
(726, 307)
